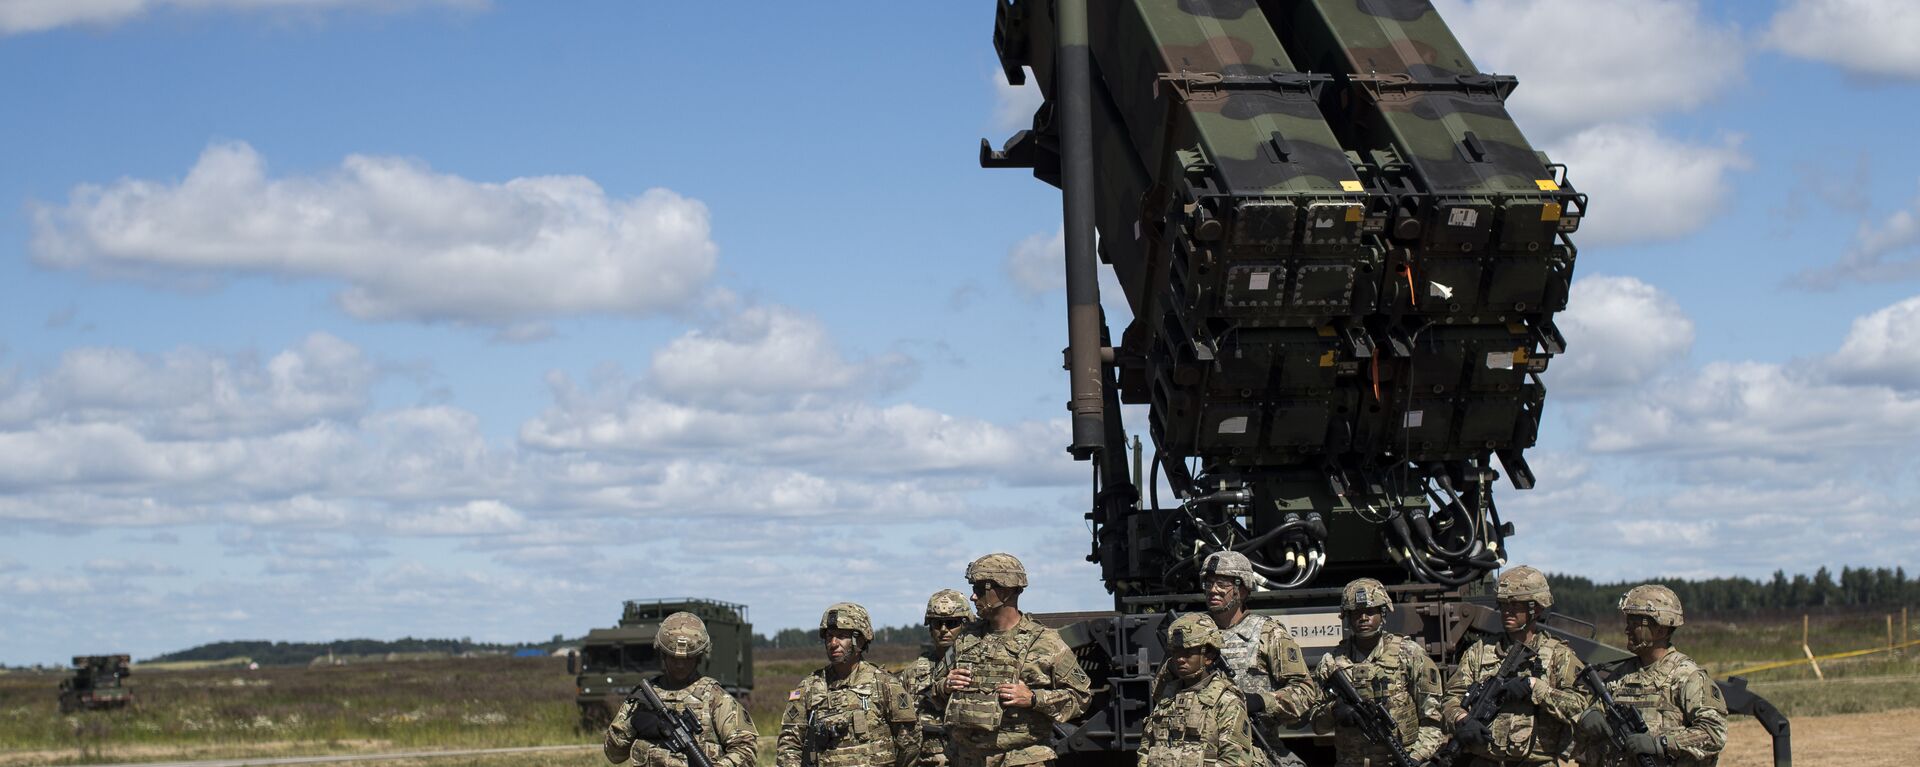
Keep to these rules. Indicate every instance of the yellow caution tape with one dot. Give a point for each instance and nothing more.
(1834, 656)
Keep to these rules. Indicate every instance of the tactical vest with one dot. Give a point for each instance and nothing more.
(1240, 651)
(1522, 730)
(695, 698)
(994, 659)
(1385, 679)
(1652, 692)
(1183, 728)
(917, 678)
(848, 725)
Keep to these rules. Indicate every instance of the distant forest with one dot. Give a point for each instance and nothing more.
(1854, 587)
(1857, 587)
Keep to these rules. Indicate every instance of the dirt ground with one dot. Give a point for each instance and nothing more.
(1884, 739)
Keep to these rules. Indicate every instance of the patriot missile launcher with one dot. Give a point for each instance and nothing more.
(1343, 260)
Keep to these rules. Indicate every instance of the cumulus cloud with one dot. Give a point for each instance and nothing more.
(1883, 347)
(1014, 104)
(1609, 60)
(1620, 332)
(763, 355)
(1879, 252)
(126, 568)
(1754, 409)
(18, 16)
(1646, 186)
(1868, 37)
(1036, 264)
(408, 243)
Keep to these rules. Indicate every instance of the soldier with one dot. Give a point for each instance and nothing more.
(850, 713)
(726, 732)
(1258, 654)
(1685, 715)
(1009, 680)
(1534, 726)
(1384, 667)
(1199, 718)
(947, 611)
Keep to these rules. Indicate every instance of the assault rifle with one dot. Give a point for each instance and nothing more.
(679, 727)
(1622, 719)
(1375, 724)
(1485, 697)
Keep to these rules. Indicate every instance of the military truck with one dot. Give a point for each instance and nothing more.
(1343, 259)
(97, 683)
(611, 661)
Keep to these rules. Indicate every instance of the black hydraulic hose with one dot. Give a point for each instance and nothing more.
(1424, 533)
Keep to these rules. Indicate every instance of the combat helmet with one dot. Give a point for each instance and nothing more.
(1364, 594)
(1000, 568)
(1232, 564)
(682, 635)
(947, 603)
(1192, 630)
(847, 615)
(1654, 601)
(1523, 584)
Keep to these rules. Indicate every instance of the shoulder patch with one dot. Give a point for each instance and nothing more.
(795, 695)
(1293, 655)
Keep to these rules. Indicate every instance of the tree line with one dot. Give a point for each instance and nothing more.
(1855, 587)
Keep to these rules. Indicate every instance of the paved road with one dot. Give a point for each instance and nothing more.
(346, 758)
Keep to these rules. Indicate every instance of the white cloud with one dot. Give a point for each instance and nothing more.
(1598, 60)
(1037, 264)
(1620, 331)
(1875, 253)
(17, 16)
(394, 231)
(484, 517)
(763, 355)
(1014, 104)
(1883, 347)
(1869, 37)
(1753, 409)
(125, 568)
(1646, 186)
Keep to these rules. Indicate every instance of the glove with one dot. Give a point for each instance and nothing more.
(1641, 743)
(1593, 724)
(1255, 704)
(1518, 688)
(1471, 732)
(1346, 715)
(646, 725)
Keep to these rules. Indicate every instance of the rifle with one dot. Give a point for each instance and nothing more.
(1485, 697)
(681, 726)
(1375, 724)
(1622, 720)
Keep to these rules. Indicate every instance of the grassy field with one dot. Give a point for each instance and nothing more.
(503, 702)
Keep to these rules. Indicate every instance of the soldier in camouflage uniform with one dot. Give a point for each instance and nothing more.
(1009, 680)
(726, 732)
(1535, 724)
(1199, 718)
(947, 611)
(1258, 653)
(1389, 668)
(851, 713)
(1686, 716)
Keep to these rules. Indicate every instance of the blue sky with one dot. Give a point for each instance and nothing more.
(330, 318)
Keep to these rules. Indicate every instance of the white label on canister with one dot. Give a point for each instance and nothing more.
(1234, 425)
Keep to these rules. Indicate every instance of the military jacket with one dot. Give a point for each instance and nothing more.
(1201, 724)
(1028, 652)
(1403, 679)
(865, 719)
(726, 731)
(918, 678)
(1680, 704)
(1537, 729)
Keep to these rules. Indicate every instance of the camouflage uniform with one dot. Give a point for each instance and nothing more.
(1678, 700)
(982, 733)
(1538, 730)
(726, 731)
(874, 718)
(1260, 656)
(919, 679)
(864, 719)
(1397, 673)
(1198, 723)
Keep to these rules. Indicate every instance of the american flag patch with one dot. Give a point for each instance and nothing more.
(795, 695)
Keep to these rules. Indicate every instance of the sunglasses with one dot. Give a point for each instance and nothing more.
(983, 587)
(947, 623)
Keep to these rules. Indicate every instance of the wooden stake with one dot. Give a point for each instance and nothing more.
(1889, 633)
(1807, 648)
